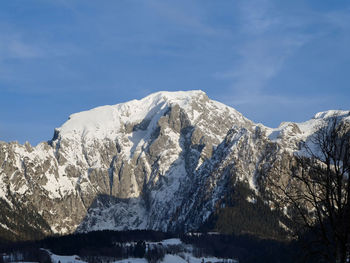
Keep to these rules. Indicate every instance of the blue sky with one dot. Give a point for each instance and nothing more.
(271, 60)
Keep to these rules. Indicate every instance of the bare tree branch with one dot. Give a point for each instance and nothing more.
(319, 188)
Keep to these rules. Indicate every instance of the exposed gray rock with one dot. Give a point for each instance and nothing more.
(160, 163)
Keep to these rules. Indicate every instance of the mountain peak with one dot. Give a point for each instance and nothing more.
(182, 98)
(175, 95)
(165, 162)
(106, 121)
(331, 113)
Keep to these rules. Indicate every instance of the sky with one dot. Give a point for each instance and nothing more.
(271, 60)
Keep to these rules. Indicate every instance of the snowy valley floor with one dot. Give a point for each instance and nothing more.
(182, 253)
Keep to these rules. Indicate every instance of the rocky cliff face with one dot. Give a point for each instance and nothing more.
(163, 162)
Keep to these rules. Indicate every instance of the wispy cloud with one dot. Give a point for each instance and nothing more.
(269, 39)
(185, 14)
(22, 55)
(12, 46)
(260, 60)
(339, 19)
(256, 17)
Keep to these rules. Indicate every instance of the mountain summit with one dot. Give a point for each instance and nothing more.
(169, 161)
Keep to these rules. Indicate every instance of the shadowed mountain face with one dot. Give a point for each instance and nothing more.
(166, 162)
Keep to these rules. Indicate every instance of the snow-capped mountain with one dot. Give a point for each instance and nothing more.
(163, 162)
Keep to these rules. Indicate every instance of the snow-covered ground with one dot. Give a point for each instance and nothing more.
(184, 256)
(66, 259)
(168, 242)
(168, 258)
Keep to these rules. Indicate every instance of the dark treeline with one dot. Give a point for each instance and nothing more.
(103, 246)
(73, 244)
(97, 246)
(247, 249)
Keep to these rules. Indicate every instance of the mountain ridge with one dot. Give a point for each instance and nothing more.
(163, 162)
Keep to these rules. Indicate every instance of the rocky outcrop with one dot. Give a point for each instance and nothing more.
(163, 162)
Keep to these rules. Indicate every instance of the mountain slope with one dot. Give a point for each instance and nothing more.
(164, 162)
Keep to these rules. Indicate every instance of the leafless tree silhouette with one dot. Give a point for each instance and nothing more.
(319, 190)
